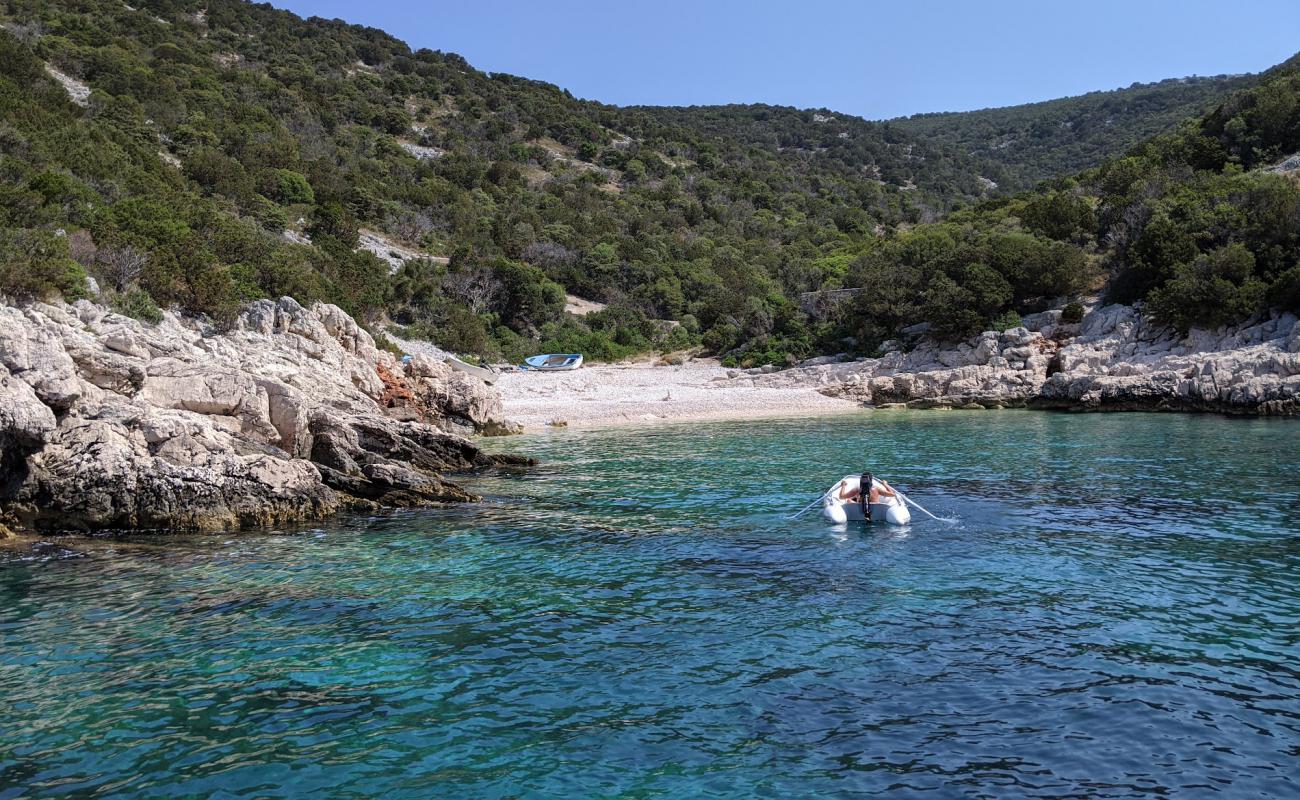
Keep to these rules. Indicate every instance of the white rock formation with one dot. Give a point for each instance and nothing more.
(422, 152)
(1114, 359)
(292, 414)
(394, 254)
(77, 90)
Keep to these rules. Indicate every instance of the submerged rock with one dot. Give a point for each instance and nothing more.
(291, 415)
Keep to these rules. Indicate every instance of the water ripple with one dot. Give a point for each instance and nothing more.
(1117, 612)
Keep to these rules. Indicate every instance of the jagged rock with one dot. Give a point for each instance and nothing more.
(36, 356)
(504, 428)
(1117, 359)
(108, 369)
(24, 419)
(466, 402)
(288, 411)
(103, 473)
(25, 424)
(109, 423)
(211, 390)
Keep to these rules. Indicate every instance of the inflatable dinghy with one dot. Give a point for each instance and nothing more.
(891, 510)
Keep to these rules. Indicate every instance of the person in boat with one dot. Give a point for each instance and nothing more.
(877, 489)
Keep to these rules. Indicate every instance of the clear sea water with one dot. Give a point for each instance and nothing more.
(1115, 614)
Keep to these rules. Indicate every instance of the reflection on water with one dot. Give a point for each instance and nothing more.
(1115, 612)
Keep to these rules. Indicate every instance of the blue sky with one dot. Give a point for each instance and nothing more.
(875, 59)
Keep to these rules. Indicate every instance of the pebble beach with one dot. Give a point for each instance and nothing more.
(606, 395)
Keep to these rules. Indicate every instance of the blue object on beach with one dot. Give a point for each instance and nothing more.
(553, 362)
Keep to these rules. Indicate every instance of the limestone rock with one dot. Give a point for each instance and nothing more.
(109, 423)
(1114, 359)
(466, 403)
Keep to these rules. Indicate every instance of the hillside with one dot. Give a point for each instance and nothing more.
(204, 154)
(212, 152)
(1039, 141)
(1202, 224)
(940, 174)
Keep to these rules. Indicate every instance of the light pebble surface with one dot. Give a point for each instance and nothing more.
(637, 394)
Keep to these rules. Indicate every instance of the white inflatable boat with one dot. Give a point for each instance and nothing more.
(891, 510)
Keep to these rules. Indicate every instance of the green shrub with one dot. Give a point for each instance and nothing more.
(1218, 288)
(528, 299)
(1006, 321)
(1072, 313)
(1061, 216)
(1285, 291)
(218, 172)
(570, 336)
(332, 220)
(268, 215)
(136, 304)
(387, 345)
(463, 331)
(35, 264)
(288, 187)
(677, 338)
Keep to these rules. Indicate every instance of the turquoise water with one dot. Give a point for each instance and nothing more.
(1116, 613)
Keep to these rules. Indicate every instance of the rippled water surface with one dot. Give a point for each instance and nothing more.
(1117, 612)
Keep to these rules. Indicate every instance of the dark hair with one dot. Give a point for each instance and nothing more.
(864, 482)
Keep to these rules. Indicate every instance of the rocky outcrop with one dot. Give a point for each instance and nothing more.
(1115, 359)
(291, 415)
(1121, 361)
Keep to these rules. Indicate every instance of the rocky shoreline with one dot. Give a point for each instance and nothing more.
(1115, 359)
(291, 415)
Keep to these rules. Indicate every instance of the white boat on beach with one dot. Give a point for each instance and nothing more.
(891, 510)
(554, 362)
(486, 374)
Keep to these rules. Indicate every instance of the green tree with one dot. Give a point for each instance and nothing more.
(1216, 289)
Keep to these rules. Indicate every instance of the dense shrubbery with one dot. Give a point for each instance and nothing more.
(35, 264)
(1194, 225)
(136, 304)
(1187, 221)
(961, 276)
(1019, 146)
(208, 134)
(273, 119)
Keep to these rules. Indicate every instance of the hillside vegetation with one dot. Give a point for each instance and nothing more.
(228, 151)
(1202, 223)
(212, 128)
(1026, 144)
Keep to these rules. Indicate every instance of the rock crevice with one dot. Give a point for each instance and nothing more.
(291, 415)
